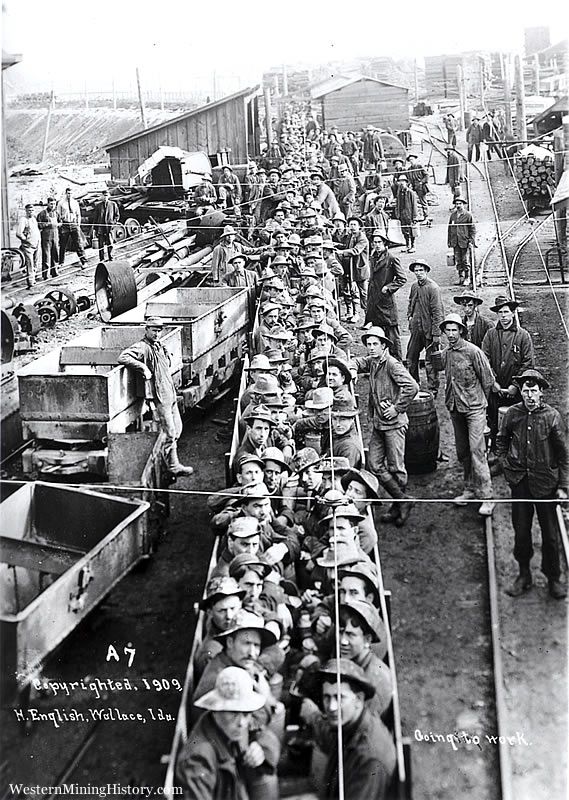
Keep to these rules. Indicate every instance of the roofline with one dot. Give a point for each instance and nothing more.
(561, 109)
(250, 90)
(10, 59)
(356, 79)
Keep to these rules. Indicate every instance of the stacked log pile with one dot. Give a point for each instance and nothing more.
(535, 176)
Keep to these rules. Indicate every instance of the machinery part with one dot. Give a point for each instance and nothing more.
(65, 302)
(83, 302)
(132, 226)
(9, 328)
(119, 232)
(151, 277)
(115, 289)
(12, 259)
(28, 319)
(47, 311)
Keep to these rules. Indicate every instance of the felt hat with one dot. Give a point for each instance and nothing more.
(532, 375)
(261, 363)
(501, 301)
(306, 457)
(344, 408)
(276, 455)
(364, 570)
(154, 322)
(344, 508)
(369, 616)
(219, 587)
(364, 477)
(317, 354)
(454, 318)
(342, 555)
(249, 458)
(339, 216)
(260, 412)
(459, 299)
(234, 691)
(325, 329)
(375, 330)
(294, 239)
(247, 560)
(354, 217)
(331, 361)
(275, 356)
(246, 621)
(278, 332)
(337, 464)
(252, 491)
(237, 257)
(419, 262)
(266, 384)
(228, 231)
(269, 306)
(322, 398)
(243, 527)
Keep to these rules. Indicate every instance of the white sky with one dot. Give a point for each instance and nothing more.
(77, 44)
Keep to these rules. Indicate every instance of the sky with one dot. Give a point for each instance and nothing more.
(75, 46)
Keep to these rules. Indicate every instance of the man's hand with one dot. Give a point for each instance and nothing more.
(275, 553)
(309, 710)
(390, 412)
(384, 290)
(436, 339)
(254, 755)
(323, 623)
(561, 494)
(146, 372)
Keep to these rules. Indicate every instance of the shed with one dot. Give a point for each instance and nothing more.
(231, 123)
(551, 119)
(351, 103)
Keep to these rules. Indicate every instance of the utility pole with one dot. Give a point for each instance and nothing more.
(521, 129)
(461, 95)
(268, 116)
(141, 99)
(507, 94)
(47, 124)
(277, 86)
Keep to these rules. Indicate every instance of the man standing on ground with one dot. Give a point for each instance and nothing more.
(473, 139)
(406, 211)
(425, 313)
(387, 277)
(532, 447)
(476, 324)
(49, 223)
(106, 215)
(469, 379)
(461, 236)
(28, 233)
(150, 358)
(355, 262)
(70, 233)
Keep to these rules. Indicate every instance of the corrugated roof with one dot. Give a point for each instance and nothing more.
(341, 81)
(242, 93)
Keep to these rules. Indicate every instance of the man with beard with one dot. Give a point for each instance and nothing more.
(532, 447)
(387, 277)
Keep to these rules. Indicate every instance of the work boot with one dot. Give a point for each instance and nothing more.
(179, 469)
(486, 509)
(557, 589)
(391, 515)
(404, 511)
(522, 584)
(462, 499)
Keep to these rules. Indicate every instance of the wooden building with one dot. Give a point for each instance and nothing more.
(231, 124)
(8, 60)
(351, 103)
(441, 73)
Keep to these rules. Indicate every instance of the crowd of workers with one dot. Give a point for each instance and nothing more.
(294, 630)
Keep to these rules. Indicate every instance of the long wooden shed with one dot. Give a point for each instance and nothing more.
(231, 123)
(351, 103)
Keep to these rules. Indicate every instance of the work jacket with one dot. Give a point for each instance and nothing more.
(510, 351)
(377, 220)
(477, 331)
(474, 134)
(406, 205)
(533, 445)
(208, 765)
(388, 380)
(453, 169)
(461, 229)
(369, 759)
(425, 310)
(105, 215)
(386, 272)
(327, 199)
(469, 377)
(48, 223)
(160, 388)
(355, 258)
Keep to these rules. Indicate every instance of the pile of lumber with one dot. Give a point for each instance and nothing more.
(535, 175)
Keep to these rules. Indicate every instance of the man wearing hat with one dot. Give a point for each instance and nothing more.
(391, 389)
(324, 194)
(105, 214)
(224, 598)
(338, 377)
(243, 535)
(362, 487)
(259, 366)
(532, 448)
(229, 187)
(378, 219)
(354, 257)
(406, 211)
(469, 379)
(205, 194)
(149, 358)
(325, 339)
(318, 311)
(461, 236)
(220, 757)
(224, 251)
(70, 234)
(240, 276)
(454, 169)
(387, 277)
(259, 423)
(425, 313)
(249, 469)
(271, 196)
(372, 148)
(368, 751)
(476, 324)
(419, 182)
(473, 139)
(28, 233)
(269, 318)
(509, 348)
(49, 223)
(345, 190)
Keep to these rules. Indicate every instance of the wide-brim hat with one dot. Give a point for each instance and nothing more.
(305, 458)
(531, 375)
(356, 218)
(419, 262)
(280, 260)
(501, 301)
(228, 231)
(234, 691)
(322, 398)
(375, 330)
(237, 257)
(276, 455)
(337, 464)
(326, 329)
(370, 617)
(248, 560)
(258, 412)
(266, 308)
(306, 325)
(349, 671)
(246, 621)
(364, 477)
(259, 363)
(218, 588)
(342, 556)
(466, 295)
(341, 506)
(266, 384)
(154, 322)
(456, 319)
(279, 333)
(341, 365)
(250, 458)
(387, 239)
(364, 570)
(275, 356)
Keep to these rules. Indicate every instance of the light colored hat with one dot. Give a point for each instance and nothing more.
(234, 691)
(456, 319)
(154, 322)
(261, 363)
(306, 457)
(243, 527)
(323, 397)
(266, 384)
(375, 330)
(245, 621)
(349, 671)
(276, 455)
(219, 587)
(228, 230)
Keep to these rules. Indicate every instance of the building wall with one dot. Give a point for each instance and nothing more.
(221, 128)
(366, 103)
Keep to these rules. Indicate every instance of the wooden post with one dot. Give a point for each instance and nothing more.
(268, 115)
(47, 124)
(481, 79)
(285, 81)
(565, 122)
(141, 99)
(536, 72)
(521, 128)
(508, 95)
(461, 97)
(558, 154)
(276, 85)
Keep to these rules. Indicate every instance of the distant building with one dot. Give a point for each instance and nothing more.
(351, 103)
(441, 73)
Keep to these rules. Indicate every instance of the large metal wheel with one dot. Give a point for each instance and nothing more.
(47, 312)
(28, 319)
(9, 332)
(132, 226)
(12, 260)
(83, 302)
(65, 302)
(115, 289)
(119, 232)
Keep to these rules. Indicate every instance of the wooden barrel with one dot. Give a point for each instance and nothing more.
(422, 440)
